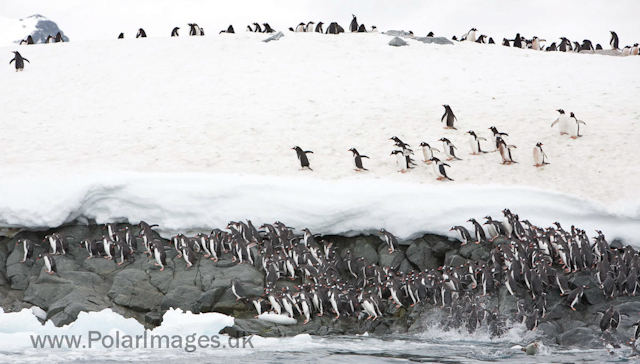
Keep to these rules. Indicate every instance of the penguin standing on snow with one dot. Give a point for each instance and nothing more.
(357, 160)
(427, 151)
(121, 36)
(496, 134)
(448, 113)
(614, 41)
(302, 157)
(449, 149)
(353, 27)
(319, 27)
(574, 126)
(59, 38)
(267, 28)
(174, 32)
(19, 61)
(438, 168)
(471, 35)
(505, 151)
(474, 142)
(562, 121)
(49, 262)
(300, 28)
(141, 33)
(539, 155)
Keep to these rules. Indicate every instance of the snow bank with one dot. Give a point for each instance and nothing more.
(194, 202)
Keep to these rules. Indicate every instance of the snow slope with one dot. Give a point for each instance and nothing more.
(200, 108)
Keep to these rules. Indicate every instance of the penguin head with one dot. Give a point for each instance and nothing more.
(539, 144)
(423, 144)
(445, 140)
(573, 115)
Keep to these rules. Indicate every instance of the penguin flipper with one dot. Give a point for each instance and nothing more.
(581, 122)
(24, 59)
(11, 61)
(480, 138)
(364, 156)
(555, 122)
(308, 151)
(435, 150)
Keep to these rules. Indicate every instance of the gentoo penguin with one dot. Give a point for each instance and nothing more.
(300, 28)
(562, 121)
(626, 51)
(124, 251)
(448, 113)
(574, 126)
(362, 28)
(189, 256)
(565, 45)
(194, 30)
(353, 27)
(505, 42)
(598, 47)
(258, 29)
(267, 28)
(634, 50)
(438, 168)
(141, 33)
(491, 41)
(496, 134)
(249, 29)
(309, 27)
(236, 289)
(30, 40)
(27, 246)
(575, 296)
(427, 151)
(449, 149)
(302, 157)
(535, 43)
(474, 142)
(391, 240)
(471, 35)
(319, 27)
(50, 39)
(374, 29)
(505, 151)
(539, 155)
(614, 41)
(401, 161)
(357, 160)
(159, 254)
(260, 305)
(91, 246)
(552, 48)
(481, 39)
(174, 32)
(59, 37)
(121, 36)
(49, 262)
(586, 45)
(19, 61)
(464, 234)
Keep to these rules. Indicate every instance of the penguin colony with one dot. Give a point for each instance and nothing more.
(568, 125)
(530, 261)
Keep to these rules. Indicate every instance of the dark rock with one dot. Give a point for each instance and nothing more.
(397, 42)
(436, 40)
(583, 337)
(153, 319)
(421, 255)
(131, 289)
(208, 299)
(454, 260)
(365, 248)
(387, 259)
(183, 297)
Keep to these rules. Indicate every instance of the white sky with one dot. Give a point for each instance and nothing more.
(577, 20)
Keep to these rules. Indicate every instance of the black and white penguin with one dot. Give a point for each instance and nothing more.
(91, 246)
(353, 27)
(575, 296)
(30, 40)
(121, 36)
(319, 27)
(448, 113)
(427, 151)
(598, 47)
(481, 237)
(539, 155)
(449, 149)
(474, 142)
(189, 256)
(496, 134)
(562, 121)
(174, 32)
(586, 45)
(374, 29)
(614, 41)
(258, 29)
(260, 305)
(50, 39)
(159, 254)
(236, 289)
(309, 27)
(59, 38)
(267, 28)
(300, 28)
(505, 42)
(505, 151)
(464, 234)
(536, 43)
(626, 51)
(481, 39)
(517, 41)
(249, 29)
(635, 50)
(49, 262)
(438, 168)
(471, 35)
(391, 240)
(302, 157)
(194, 30)
(574, 126)
(27, 246)
(124, 251)
(401, 160)
(357, 160)
(141, 33)
(491, 41)
(19, 61)
(108, 246)
(362, 28)
(552, 48)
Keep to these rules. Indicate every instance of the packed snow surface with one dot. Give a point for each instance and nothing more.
(192, 132)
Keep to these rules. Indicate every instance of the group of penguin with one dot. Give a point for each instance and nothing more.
(531, 262)
(334, 28)
(50, 39)
(567, 124)
(535, 43)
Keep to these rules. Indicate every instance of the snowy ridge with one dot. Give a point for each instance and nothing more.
(194, 202)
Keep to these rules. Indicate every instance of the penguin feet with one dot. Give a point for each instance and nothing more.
(22, 261)
(120, 263)
(161, 269)
(50, 272)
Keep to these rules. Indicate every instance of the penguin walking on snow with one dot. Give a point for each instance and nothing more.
(505, 151)
(121, 36)
(438, 168)
(353, 27)
(449, 149)
(539, 155)
(614, 41)
(574, 126)
(448, 113)
(427, 151)
(19, 61)
(302, 157)
(496, 134)
(357, 160)
(401, 160)
(474, 142)
(49, 262)
(141, 33)
(174, 32)
(562, 121)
